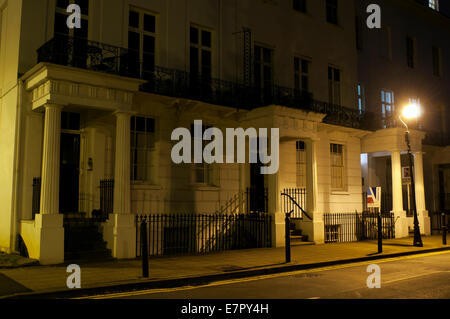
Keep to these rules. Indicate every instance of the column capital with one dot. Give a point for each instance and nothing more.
(124, 113)
(54, 106)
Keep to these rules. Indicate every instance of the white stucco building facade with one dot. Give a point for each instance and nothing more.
(74, 123)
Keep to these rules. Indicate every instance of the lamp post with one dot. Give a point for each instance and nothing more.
(412, 111)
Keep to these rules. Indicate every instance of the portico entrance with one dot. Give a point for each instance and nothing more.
(69, 163)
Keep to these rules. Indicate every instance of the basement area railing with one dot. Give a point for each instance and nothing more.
(188, 234)
(351, 227)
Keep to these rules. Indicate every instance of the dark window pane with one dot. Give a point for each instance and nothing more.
(305, 66)
(297, 64)
(83, 31)
(63, 4)
(150, 125)
(206, 39)
(194, 60)
(134, 19)
(149, 23)
(194, 35)
(149, 44)
(337, 75)
(61, 24)
(305, 85)
(84, 5)
(299, 5)
(206, 58)
(133, 120)
(149, 62)
(133, 41)
(257, 53)
(140, 124)
(267, 56)
(330, 73)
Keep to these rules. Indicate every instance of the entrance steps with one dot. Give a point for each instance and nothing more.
(297, 237)
(83, 240)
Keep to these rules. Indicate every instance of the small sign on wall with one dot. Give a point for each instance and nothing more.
(406, 174)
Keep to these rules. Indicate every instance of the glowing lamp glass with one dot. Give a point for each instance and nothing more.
(411, 111)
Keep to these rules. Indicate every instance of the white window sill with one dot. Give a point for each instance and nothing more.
(206, 188)
(139, 185)
(339, 193)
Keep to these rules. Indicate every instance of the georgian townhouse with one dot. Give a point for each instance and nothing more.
(86, 116)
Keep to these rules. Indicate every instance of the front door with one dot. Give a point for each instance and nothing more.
(69, 173)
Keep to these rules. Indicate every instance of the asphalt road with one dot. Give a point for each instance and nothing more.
(412, 277)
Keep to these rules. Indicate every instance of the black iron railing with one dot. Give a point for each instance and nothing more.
(351, 227)
(36, 199)
(186, 234)
(106, 198)
(295, 202)
(96, 56)
(438, 220)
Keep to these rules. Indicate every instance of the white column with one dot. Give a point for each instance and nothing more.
(122, 165)
(120, 229)
(278, 222)
(424, 220)
(313, 228)
(401, 222)
(46, 236)
(50, 160)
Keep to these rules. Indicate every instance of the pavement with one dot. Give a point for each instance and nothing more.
(176, 271)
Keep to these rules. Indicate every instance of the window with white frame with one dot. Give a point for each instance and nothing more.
(301, 74)
(263, 67)
(334, 85)
(337, 166)
(301, 164)
(200, 53)
(387, 105)
(142, 42)
(433, 4)
(143, 150)
(361, 98)
(61, 15)
(203, 173)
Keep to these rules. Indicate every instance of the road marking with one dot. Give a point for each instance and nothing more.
(256, 278)
(415, 276)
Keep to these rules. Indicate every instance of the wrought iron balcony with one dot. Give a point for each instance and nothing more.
(81, 53)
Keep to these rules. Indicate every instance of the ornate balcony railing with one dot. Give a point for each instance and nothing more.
(96, 56)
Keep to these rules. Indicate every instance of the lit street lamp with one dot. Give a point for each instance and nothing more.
(409, 112)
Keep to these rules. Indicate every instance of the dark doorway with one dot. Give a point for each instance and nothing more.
(258, 191)
(69, 173)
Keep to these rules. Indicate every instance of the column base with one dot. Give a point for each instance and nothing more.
(120, 234)
(401, 224)
(424, 223)
(44, 238)
(278, 230)
(314, 230)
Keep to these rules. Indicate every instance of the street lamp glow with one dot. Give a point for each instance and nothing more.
(411, 111)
